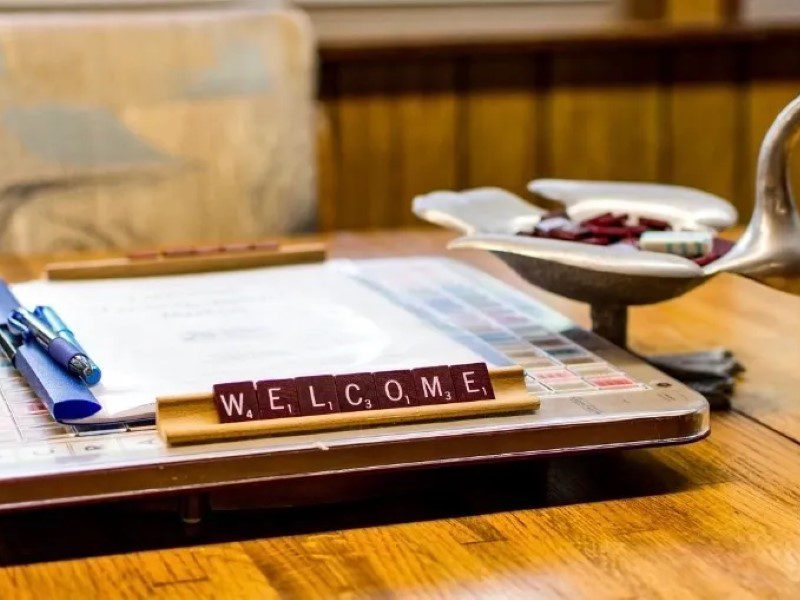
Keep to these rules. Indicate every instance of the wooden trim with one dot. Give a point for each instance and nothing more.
(559, 39)
(127, 267)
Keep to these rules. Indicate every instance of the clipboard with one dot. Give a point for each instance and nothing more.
(638, 407)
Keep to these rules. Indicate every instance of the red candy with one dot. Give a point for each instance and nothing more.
(721, 246)
(719, 249)
(607, 220)
(608, 228)
(702, 261)
(617, 231)
(656, 224)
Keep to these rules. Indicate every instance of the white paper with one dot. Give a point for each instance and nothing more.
(182, 334)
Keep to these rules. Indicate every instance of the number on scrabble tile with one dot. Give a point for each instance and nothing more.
(472, 382)
(356, 392)
(434, 385)
(317, 395)
(277, 398)
(236, 402)
(395, 389)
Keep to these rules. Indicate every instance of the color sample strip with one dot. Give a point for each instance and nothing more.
(328, 394)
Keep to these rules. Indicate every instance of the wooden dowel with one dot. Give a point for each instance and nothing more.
(193, 418)
(288, 254)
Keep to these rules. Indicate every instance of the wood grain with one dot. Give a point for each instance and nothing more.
(705, 139)
(367, 146)
(689, 109)
(716, 518)
(397, 138)
(427, 122)
(287, 254)
(502, 109)
(605, 112)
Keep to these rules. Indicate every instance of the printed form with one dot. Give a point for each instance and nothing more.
(160, 336)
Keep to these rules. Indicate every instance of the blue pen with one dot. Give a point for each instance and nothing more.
(61, 350)
(67, 398)
(50, 316)
(56, 323)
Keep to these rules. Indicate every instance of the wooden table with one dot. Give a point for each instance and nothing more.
(719, 517)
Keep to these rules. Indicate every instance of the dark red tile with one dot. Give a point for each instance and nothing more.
(434, 385)
(616, 231)
(598, 220)
(237, 247)
(721, 246)
(657, 224)
(356, 391)
(236, 401)
(144, 255)
(177, 251)
(317, 395)
(395, 389)
(611, 220)
(277, 398)
(472, 382)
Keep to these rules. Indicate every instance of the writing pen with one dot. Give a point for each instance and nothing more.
(60, 328)
(68, 399)
(61, 350)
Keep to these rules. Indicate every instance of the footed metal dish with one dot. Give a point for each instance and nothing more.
(611, 278)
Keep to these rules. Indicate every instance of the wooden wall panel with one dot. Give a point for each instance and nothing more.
(367, 147)
(501, 106)
(774, 80)
(703, 132)
(687, 114)
(698, 11)
(396, 129)
(427, 116)
(605, 111)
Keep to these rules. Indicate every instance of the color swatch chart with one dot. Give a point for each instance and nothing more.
(501, 324)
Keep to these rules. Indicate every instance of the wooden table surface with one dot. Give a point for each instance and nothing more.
(716, 518)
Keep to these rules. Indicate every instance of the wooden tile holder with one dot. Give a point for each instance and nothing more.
(191, 261)
(194, 419)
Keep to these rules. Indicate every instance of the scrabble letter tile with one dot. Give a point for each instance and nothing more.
(472, 382)
(277, 398)
(395, 389)
(236, 401)
(317, 395)
(434, 385)
(356, 392)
